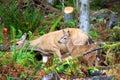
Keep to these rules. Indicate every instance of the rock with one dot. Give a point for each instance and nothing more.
(105, 77)
(50, 76)
(113, 21)
(100, 15)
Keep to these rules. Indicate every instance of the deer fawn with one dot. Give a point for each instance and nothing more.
(48, 43)
(76, 50)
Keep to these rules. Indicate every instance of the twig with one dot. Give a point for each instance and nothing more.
(89, 51)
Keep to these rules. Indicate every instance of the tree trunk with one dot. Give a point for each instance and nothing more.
(68, 14)
(77, 4)
(84, 16)
(51, 2)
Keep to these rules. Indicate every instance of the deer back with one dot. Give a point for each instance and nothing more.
(49, 41)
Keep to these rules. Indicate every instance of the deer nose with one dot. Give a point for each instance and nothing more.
(59, 42)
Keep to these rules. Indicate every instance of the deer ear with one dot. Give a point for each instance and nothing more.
(68, 33)
(23, 38)
(63, 31)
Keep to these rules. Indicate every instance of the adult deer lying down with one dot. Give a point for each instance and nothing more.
(92, 50)
(48, 43)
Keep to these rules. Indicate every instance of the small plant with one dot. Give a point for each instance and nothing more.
(93, 33)
(9, 78)
(41, 30)
(115, 34)
(70, 67)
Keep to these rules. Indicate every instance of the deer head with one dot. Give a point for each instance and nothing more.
(20, 43)
(64, 39)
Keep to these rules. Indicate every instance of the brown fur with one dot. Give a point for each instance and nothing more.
(48, 43)
(90, 58)
(77, 50)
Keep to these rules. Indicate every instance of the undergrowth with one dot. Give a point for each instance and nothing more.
(22, 20)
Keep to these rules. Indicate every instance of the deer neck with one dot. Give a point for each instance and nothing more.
(70, 45)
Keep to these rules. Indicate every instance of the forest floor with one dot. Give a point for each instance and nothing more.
(15, 69)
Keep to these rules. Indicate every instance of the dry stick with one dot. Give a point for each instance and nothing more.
(89, 51)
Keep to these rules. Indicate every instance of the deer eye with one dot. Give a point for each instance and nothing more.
(65, 38)
(17, 44)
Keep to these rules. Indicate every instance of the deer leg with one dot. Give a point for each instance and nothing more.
(91, 61)
(44, 59)
(96, 62)
(57, 51)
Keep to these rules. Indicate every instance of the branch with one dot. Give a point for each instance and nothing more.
(89, 51)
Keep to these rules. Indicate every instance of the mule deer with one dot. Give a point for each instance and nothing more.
(48, 43)
(89, 52)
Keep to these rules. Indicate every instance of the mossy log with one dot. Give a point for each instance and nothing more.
(112, 46)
